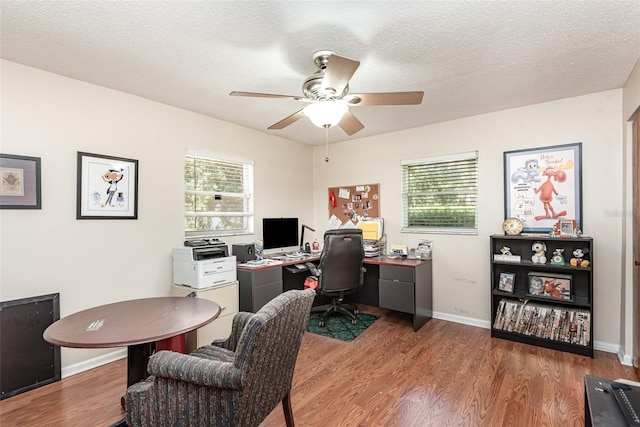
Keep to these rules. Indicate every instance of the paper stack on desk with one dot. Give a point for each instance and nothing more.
(373, 236)
(374, 248)
(260, 263)
(372, 229)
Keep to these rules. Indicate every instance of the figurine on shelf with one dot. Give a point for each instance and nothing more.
(557, 257)
(505, 250)
(540, 250)
(578, 259)
(555, 230)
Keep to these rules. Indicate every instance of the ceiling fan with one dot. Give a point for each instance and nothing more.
(327, 94)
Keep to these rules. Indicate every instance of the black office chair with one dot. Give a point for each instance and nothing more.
(339, 272)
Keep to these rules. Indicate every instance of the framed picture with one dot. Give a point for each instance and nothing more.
(567, 228)
(107, 187)
(549, 285)
(19, 182)
(544, 185)
(506, 282)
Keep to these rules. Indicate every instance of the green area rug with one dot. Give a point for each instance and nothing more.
(340, 327)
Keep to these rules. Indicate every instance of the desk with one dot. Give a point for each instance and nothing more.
(600, 407)
(397, 284)
(137, 324)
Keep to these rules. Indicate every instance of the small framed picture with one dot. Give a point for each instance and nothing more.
(567, 228)
(107, 187)
(506, 282)
(19, 182)
(549, 285)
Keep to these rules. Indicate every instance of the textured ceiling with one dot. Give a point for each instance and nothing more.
(468, 57)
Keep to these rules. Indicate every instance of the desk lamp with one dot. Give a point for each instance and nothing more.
(302, 248)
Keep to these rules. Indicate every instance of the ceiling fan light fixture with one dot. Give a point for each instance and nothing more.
(325, 113)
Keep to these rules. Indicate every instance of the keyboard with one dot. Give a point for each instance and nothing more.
(628, 399)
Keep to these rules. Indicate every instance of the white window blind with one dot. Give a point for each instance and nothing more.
(440, 194)
(218, 197)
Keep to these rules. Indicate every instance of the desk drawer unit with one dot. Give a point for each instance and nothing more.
(396, 288)
(226, 296)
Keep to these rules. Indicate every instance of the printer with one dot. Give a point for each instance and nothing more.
(203, 264)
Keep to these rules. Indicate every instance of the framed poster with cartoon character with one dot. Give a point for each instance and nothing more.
(107, 187)
(544, 185)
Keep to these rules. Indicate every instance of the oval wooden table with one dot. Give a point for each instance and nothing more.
(136, 324)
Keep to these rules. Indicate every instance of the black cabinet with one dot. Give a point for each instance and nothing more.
(547, 304)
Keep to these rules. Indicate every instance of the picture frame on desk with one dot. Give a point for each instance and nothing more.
(507, 282)
(550, 285)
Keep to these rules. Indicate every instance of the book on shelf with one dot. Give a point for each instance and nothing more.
(555, 323)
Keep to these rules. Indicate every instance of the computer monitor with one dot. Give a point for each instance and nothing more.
(280, 235)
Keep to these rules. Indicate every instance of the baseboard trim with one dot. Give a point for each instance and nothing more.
(625, 359)
(85, 365)
(461, 319)
(605, 346)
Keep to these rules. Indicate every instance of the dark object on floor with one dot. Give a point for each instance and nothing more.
(27, 361)
(340, 327)
(339, 272)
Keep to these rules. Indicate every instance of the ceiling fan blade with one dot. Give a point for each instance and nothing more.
(265, 95)
(338, 73)
(350, 124)
(287, 121)
(384, 98)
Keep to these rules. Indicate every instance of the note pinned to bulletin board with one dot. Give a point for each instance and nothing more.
(354, 202)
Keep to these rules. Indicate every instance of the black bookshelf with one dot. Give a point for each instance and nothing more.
(563, 322)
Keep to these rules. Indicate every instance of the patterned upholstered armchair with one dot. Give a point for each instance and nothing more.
(233, 382)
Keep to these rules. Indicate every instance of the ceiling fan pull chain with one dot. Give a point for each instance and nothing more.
(326, 143)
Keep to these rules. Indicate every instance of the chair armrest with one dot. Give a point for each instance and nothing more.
(196, 370)
(239, 322)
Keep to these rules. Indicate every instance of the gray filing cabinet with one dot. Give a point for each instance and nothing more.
(408, 290)
(396, 288)
(259, 286)
(226, 296)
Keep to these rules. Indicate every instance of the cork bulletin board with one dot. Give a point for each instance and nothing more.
(354, 201)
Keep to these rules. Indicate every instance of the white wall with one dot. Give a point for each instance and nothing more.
(461, 263)
(94, 262)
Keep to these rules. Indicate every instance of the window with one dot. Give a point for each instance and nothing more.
(218, 196)
(440, 194)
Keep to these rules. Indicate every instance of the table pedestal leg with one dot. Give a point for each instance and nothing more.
(137, 359)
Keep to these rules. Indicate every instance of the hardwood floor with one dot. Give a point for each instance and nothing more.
(446, 374)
